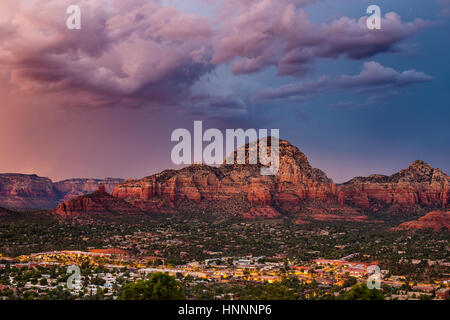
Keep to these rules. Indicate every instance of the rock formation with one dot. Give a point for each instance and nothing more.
(435, 220)
(237, 189)
(418, 186)
(297, 190)
(27, 191)
(99, 203)
(72, 188)
(23, 191)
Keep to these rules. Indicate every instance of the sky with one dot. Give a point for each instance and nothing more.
(103, 101)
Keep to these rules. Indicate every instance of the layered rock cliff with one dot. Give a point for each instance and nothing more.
(23, 191)
(435, 220)
(72, 188)
(233, 189)
(417, 187)
(27, 191)
(96, 204)
(297, 188)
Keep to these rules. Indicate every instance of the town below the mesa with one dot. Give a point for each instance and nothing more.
(222, 260)
(105, 271)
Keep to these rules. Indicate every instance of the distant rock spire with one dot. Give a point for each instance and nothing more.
(101, 189)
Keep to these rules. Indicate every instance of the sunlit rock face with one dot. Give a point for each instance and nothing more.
(96, 204)
(435, 220)
(297, 188)
(237, 189)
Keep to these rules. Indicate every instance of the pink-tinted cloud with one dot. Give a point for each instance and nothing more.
(135, 54)
(279, 33)
(141, 52)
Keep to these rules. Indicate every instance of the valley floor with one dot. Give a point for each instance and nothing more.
(263, 259)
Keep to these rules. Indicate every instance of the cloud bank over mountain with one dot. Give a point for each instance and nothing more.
(146, 53)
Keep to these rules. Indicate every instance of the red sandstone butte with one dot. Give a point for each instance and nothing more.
(297, 189)
(419, 185)
(435, 220)
(98, 203)
(233, 189)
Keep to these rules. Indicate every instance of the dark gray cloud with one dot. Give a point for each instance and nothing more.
(217, 106)
(373, 78)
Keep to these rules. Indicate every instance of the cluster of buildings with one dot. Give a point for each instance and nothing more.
(325, 273)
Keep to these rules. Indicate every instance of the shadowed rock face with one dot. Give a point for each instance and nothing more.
(4, 212)
(72, 188)
(435, 220)
(419, 185)
(33, 192)
(27, 191)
